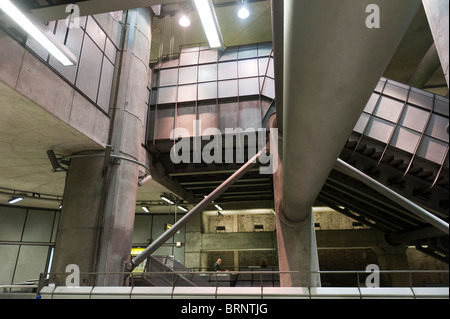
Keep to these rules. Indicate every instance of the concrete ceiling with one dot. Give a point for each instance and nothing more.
(28, 131)
(256, 28)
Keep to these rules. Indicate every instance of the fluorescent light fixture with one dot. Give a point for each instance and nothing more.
(184, 21)
(243, 13)
(218, 207)
(145, 209)
(15, 199)
(182, 208)
(211, 27)
(164, 198)
(48, 41)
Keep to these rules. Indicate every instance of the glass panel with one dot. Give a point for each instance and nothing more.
(248, 52)
(104, 94)
(74, 40)
(89, 69)
(437, 127)
(110, 51)
(421, 98)
(379, 129)
(263, 66)
(168, 77)
(250, 114)
(228, 70)
(268, 87)
(186, 117)
(248, 68)
(142, 227)
(432, 149)
(228, 55)
(207, 73)
(187, 93)
(36, 46)
(270, 70)
(188, 75)
(208, 56)
(31, 262)
(396, 90)
(207, 91)
(441, 105)
(372, 103)
(38, 226)
(9, 256)
(207, 114)
(380, 85)
(12, 223)
(361, 124)
(248, 86)
(414, 118)
(228, 89)
(189, 58)
(389, 109)
(264, 49)
(229, 114)
(165, 118)
(167, 95)
(405, 139)
(96, 33)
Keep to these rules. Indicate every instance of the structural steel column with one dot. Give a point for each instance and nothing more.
(334, 57)
(438, 18)
(297, 245)
(99, 196)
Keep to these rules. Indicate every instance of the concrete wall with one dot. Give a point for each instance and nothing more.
(23, 71)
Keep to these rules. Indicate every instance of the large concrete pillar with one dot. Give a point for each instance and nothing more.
(437, 15)
(296, 241)
(99, 202)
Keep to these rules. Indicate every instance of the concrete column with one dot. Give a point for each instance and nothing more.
(437, 15)
(192, 250)
(296, 241)
(99, 203)
(80, 221)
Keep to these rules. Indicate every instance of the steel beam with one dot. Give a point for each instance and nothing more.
(395, 197)
(333, 60)
(193, 212)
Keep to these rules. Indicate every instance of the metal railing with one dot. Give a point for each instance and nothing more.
(227, 278)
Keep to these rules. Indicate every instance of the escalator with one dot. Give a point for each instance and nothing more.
(165, 271)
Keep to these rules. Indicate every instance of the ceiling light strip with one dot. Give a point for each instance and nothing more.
(209, 21)
(43, 38)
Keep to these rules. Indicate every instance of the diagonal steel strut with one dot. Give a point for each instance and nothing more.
(193, 212)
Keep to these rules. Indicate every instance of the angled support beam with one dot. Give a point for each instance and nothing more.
(196, 210)
(395, 197)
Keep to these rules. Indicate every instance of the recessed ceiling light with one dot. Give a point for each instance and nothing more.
(184, 21)
(243, 13)
(15, 199)
(166, 199)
